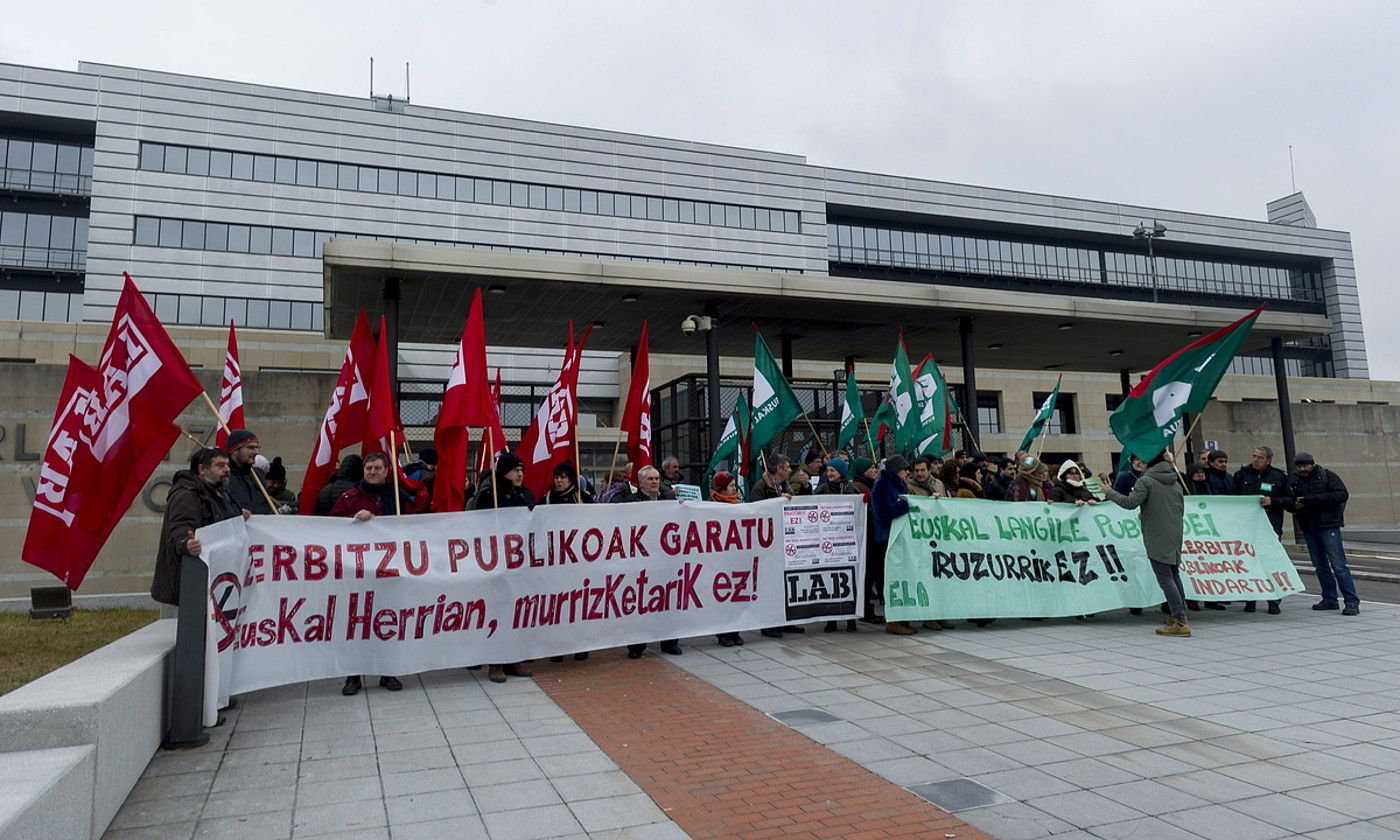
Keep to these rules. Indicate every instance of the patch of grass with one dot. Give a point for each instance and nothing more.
(31, 649)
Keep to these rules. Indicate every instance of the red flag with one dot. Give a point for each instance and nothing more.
(230, 391)
(53, 542)
(383, 417)
(636, 417)
(466, 402)
(346, 416)
(493, 439)
(142, 383)
(549, 439)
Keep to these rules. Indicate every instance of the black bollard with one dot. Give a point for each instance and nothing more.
(187, 683)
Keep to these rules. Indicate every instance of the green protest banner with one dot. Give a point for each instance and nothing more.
(971, 558)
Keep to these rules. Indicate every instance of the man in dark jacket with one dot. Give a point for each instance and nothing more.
(649, 490)
(773, 481)
(1218, 474)
(1319, 502)
(352, 469)
(1261, 478)
(243, 477)
(509, 482)
(197, 498)
(1125, 480)
(887, 503)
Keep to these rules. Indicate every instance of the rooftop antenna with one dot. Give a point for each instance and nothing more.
(371, 79)
(405, 84)
(1291, 175)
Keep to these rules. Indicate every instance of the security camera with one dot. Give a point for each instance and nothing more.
(690, 324)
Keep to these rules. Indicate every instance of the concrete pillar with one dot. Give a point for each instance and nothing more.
(391, 327)
(786, 340)
(712, 375)
(1124, 382)
(970, 430)
(1285, 408)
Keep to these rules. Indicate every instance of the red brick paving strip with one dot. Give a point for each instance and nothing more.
(720, 768)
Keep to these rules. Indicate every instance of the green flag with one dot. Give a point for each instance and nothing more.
(901, 401)
(728, 450)
(851, 413)
(936, 407)
(1047, 410)
(1147, 419)
(774, 403)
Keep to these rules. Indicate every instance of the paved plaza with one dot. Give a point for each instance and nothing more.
(1258, 727)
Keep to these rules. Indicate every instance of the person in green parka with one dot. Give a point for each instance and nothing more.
(1159, 497)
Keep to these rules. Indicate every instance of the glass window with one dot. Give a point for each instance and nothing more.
(671, 210)
(152, 156)
(260, 240)
(369, 179)
(31, 306)
(702, 213)
(257, 313)
(303, 244)
(605, 203)
(686, 210)
(213, 314)
(301, 315)
(388, 182)
(190, 310)
(317, 318)
(320, 239)
(242, 166)
(554, 198)
(279, 314)
(746, 218)
(306, 173)
(45, 159)
(175, 158)
(147, 231)
(282, 242)
(587, 201)
(85, 163)
(520, 195)
(481, 192)
(536, 197)
(407, 183)
(347, 176)
(571, 201)
(263, 167)
(238, 238)
(236, 310)
(500, 192)
(215, 236)
(792, 221)
(170, 232)
(67, 160)
(198, 163)
(21, 154)
(447, 187)
(56, 306)
(285, 171)
(637, 206)
(193, 236)
(61, 233)
(9, 301)
(654, 211)
(36, 232)
(731, 216)
(220, 164)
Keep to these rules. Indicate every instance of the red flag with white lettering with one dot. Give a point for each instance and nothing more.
(466, 402)
(549, 439)
(54, 542)
(383, 418)
(636, 416)
(143, 383)
(346, 416)
(230, 391)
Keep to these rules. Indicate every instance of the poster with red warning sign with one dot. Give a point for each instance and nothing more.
(821, 533)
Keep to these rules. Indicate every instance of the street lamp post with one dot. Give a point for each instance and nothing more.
(1157, 231)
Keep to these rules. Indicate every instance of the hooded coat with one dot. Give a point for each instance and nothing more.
(190, 505)
(1324, 498)
(1063, 491)
(1159, 497)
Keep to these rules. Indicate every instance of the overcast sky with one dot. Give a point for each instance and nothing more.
(1187, 106)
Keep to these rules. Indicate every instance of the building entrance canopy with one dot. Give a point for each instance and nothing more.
(535, 295)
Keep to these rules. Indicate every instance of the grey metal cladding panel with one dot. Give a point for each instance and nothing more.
(1009, 206)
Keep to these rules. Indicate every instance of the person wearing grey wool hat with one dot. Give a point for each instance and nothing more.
(887, 503)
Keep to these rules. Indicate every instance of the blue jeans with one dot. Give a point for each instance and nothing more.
(1330, 561)
(1169, 578)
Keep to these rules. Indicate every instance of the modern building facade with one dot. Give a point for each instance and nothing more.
(225, 199)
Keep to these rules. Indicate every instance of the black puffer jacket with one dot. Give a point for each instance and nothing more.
(1324, 499)
(190, 505)
(1272, 482)
(243, 488)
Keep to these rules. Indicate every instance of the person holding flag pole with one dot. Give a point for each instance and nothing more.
(1146, 424)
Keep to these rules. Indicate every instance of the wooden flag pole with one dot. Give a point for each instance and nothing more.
(1185, 440)
(869, 441)
(394, 471)
(256, 480)
(495, 490)
(617, 447)
(578, 471)
(815, 436)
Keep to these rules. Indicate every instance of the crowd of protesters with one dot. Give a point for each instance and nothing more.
(224, 482)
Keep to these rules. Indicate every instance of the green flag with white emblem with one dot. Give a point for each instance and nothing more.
(774, 403)
(851, 413)
(1047, 410)
(901, 401)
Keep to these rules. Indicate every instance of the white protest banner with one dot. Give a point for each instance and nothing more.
(296, 598)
